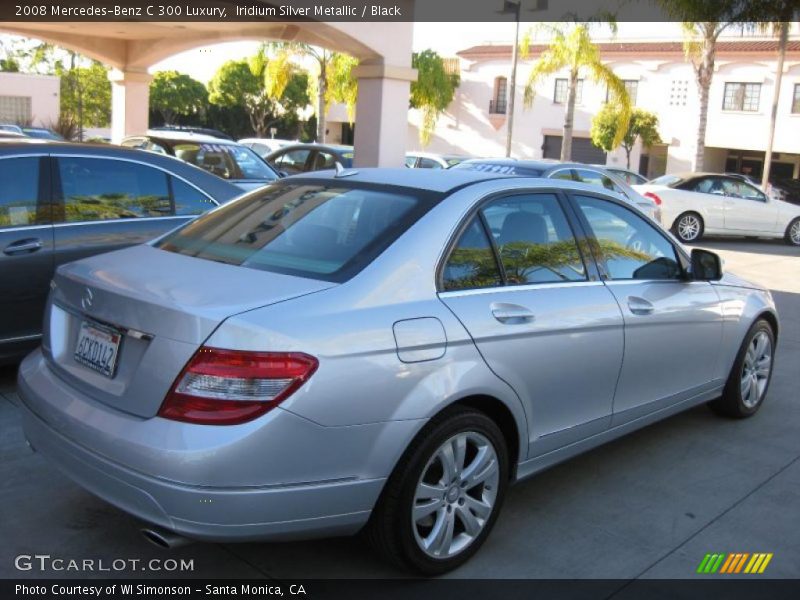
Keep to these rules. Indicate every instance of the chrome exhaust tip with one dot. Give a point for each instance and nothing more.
(163, 538)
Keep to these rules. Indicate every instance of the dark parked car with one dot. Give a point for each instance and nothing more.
(60, 202)
(300, 158)
(224, 158)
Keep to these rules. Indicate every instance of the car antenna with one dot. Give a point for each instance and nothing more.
(342, 172)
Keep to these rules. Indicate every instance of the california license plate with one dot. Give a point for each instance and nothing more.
(97, 348)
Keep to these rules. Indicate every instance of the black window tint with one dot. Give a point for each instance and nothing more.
(534, 240)
(472, 263)
(428, 163)
(189, 200)
(94, 189)
(319, 231)
(19, 190)
(629, 245)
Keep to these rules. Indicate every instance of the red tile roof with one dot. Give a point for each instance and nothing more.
(723, 47)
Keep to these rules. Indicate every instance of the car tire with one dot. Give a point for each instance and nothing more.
(750, 376)
(792, 236)
(468, 511)
(688, 227)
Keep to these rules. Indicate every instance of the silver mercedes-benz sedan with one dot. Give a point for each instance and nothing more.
(380, 350)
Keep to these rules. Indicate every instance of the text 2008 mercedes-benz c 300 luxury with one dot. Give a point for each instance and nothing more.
(382, 350)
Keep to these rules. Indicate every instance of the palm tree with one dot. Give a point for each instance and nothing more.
(700, 47)
(571, 48)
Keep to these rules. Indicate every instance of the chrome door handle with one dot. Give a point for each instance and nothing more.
(640, 306)
(511, 314)
(23, 246)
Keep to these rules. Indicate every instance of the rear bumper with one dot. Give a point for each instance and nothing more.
(339, 505)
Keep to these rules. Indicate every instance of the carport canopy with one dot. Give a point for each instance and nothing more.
(130, 48)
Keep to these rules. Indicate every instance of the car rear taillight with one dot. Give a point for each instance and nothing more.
(227, 387)
(653, 197)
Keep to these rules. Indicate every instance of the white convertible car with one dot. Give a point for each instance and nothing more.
(696, 203)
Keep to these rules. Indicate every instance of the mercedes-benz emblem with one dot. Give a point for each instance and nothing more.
(87, 299)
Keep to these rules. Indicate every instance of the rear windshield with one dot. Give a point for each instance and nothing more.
(503, 168)
(668, 180)
(327, 232)
(229, 161)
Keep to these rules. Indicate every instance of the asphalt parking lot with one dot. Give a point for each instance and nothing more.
(649, 505)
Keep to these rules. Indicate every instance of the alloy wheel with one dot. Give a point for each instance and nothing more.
(689, 227)
(455, 495)
(794, 233)
(756, 369)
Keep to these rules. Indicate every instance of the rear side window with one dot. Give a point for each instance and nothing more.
(534, 240)
(472, 263)
(96, 189)
(189, 200)
(316, 231)
(19, 191)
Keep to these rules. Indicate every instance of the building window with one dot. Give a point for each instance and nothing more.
(796, 99)
(631, 86)
(497, 105)
(561, 89)
(15, 109)
(678, 92)
(742, 96)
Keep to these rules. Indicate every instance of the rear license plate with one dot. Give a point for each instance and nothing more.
(97, 348)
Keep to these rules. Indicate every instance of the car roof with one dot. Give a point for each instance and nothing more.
(544, 164)
(433, 180)
(182, 136)
(215, 186)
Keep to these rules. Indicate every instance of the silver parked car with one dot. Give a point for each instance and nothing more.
(383, 350)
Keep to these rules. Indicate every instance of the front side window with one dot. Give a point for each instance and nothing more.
(742, 96)
(534, 240)
(472, 263)
(324, 160)
(19, 192)
(707, 185)
(740, 189)
(561, 92)
(630, 247)
(318, 231)
(97, 189)
(428, 163)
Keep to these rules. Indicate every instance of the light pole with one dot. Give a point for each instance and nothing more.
(514, 8)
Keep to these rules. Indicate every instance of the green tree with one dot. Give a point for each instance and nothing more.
(571, 48)
(643, 125)
(85, 94)
(173, 93)
(433, 91)
(241, 83)
(342, 86)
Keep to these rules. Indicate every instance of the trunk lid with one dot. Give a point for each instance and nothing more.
(163, 305)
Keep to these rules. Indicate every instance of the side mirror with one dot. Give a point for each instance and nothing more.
(706, 266)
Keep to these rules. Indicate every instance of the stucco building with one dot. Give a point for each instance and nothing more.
(660, 80)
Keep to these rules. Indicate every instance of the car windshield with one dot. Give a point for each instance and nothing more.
(321, 231)
(229, 161)
(668, 180)
(504, 168)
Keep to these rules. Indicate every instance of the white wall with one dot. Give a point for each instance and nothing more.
(43, 90)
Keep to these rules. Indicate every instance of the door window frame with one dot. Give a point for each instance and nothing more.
(578, 234)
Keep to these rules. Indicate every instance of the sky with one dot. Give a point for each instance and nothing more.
(444, 38)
